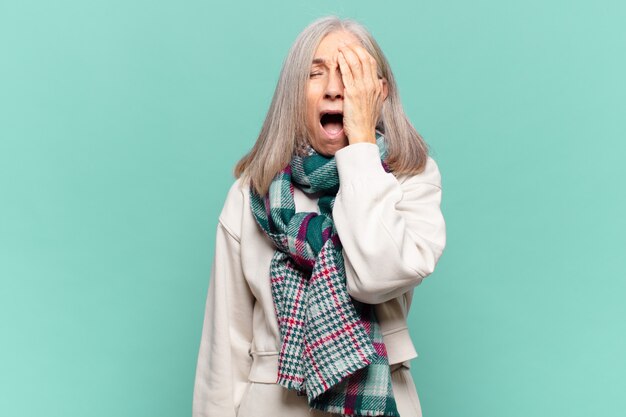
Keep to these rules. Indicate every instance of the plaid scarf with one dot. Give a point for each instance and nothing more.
(331, 346)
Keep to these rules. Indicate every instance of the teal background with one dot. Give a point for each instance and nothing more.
(120, 123)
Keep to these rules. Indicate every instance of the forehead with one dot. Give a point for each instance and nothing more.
(329, 45)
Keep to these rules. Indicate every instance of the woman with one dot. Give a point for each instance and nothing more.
(334, 219)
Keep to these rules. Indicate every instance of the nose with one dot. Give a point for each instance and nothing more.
(334, 87)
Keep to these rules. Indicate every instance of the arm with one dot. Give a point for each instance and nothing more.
(392, 234)
(223, 360)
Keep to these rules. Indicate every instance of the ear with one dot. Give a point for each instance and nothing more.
(385, 89)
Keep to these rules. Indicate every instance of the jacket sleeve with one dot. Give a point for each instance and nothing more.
(392, 233)
(223, 359)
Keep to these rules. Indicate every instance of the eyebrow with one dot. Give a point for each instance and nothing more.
(317, 61)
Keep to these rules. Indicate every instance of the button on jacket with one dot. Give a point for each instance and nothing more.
(392, 233)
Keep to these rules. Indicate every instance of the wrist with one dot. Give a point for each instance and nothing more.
(362, 137)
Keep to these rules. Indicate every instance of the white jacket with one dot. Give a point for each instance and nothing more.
(393, 233)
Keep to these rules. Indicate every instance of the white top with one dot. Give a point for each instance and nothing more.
(392, 232)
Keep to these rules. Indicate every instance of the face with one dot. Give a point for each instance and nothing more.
(324, 96)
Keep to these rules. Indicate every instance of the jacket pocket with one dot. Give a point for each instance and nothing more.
(245, 399)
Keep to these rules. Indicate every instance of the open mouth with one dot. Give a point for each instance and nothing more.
(332, 123)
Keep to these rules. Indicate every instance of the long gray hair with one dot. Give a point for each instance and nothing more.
(284, 129)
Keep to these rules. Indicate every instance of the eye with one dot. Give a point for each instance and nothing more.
(314, 74)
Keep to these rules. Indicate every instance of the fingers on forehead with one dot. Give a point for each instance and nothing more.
(348, 52)
(363, 54)
(346, 73)
(370, 66)
(354, 48)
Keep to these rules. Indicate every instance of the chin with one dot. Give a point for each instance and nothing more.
(329, 149)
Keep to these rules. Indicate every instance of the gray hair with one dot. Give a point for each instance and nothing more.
(284, 130)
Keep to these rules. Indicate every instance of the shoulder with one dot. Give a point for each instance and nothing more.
(234, 205)
(430, 175)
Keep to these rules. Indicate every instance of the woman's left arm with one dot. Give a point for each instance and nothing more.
(392, 233)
